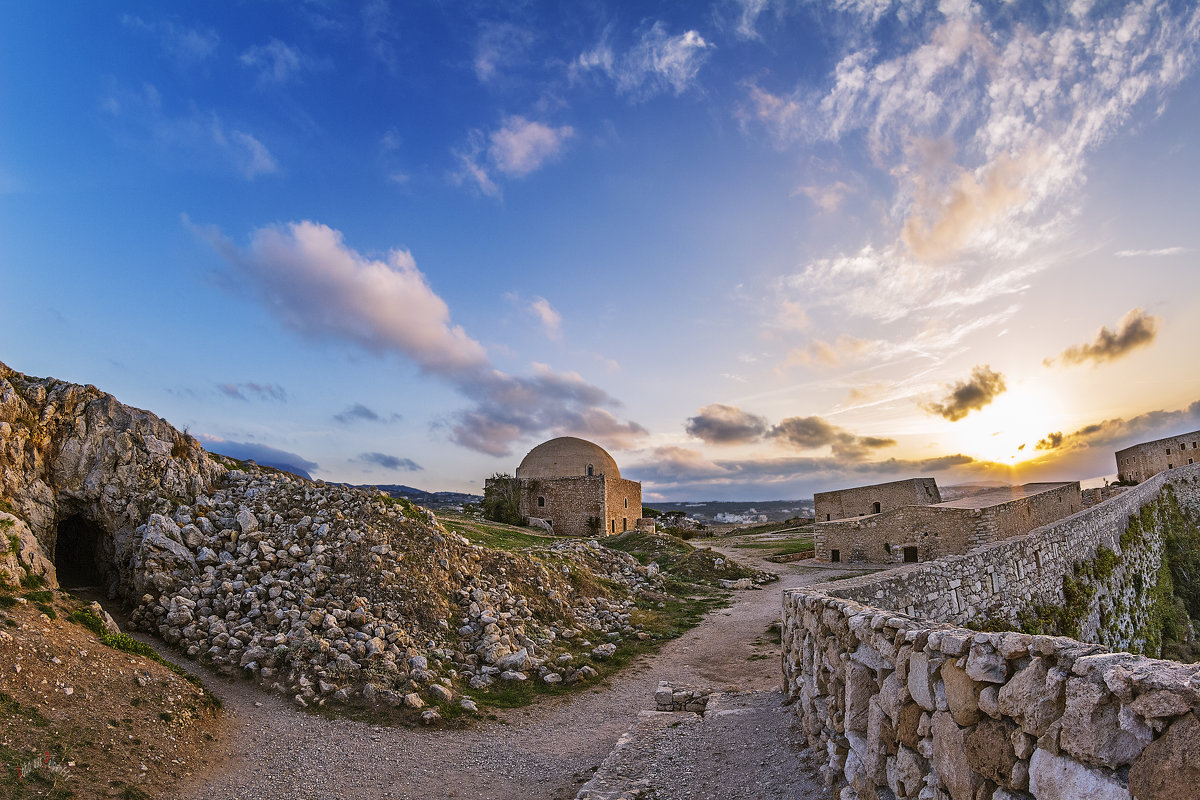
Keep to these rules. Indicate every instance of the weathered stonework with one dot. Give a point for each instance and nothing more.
(576, 487)
(1136, 464)
(925, 532)
(862, 500)
(904, 703)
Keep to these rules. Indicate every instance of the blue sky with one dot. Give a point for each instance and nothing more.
(754, 248)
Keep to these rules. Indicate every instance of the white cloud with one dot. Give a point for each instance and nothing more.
(304, 274)
(658, 62)
(275, 61)
(307, 276)
(551, 320)
(517, 148)
(254, 157)
(522, 146)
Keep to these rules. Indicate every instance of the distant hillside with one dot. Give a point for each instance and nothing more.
(433, 500)
(730, 511)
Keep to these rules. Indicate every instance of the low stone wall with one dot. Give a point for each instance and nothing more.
(906, 704)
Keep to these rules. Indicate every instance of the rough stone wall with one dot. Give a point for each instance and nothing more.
(861, 500)
(913, 709)
(938, 531)
(903, 702)
(569, 502)
(623, 504)
(67, 449)
(1141, 461)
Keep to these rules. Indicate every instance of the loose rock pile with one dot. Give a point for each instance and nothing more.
(683, 697)
(326, 592)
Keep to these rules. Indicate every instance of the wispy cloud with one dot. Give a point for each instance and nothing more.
(186, 45)
(1162, 251)
(304, 274)
(276, 62)
(390, 462)
(722, 424)
(1134, 330)
(500, 46)
(517, 148)
(259, 391)
(657, 63)
(190, 137)
(985, 125)
(551, 320)
(984, 386)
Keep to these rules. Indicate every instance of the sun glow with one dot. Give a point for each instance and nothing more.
(1008, 430)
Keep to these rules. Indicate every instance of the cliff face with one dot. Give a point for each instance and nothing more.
(70, 451)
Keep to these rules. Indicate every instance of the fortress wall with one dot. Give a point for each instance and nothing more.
(1139, 462)
(941, 531)
(904, 702)
(861, 500)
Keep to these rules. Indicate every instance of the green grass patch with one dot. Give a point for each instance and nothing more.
(495, 535)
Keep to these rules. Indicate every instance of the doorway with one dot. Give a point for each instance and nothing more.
(77, 553)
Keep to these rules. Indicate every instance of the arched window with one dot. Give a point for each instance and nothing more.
(541, 502)
(591, 470)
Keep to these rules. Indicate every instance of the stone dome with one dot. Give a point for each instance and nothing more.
(567, 457)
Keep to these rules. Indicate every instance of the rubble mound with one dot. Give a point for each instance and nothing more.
(319, 591)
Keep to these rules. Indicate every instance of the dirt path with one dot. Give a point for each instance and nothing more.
(273, 751)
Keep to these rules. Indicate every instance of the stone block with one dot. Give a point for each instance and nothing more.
(950, 758)
(962, 694)
(1095, 731)
(990, 752)
(1169, 767)
(920, 680)
(1033, 698)
(1056, 777)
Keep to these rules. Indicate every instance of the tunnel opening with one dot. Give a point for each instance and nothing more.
(78, 553)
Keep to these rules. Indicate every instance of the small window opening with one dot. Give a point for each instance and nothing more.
(77, 553)
(835, 555)
(541, 502)
(875, 508)
(591, 470)
(1170, 466)
(614, 525)
(827, 518)
(910, 555)
(624, 524)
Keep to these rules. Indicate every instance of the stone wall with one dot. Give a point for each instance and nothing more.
(623, 504)
(568, 502)
(1139, 462)
(861, 500)
(941, 530)
(905, 704)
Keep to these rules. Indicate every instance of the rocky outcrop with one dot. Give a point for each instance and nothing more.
(322, 592)
(68, 450)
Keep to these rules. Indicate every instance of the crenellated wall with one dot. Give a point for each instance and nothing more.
(906, 704)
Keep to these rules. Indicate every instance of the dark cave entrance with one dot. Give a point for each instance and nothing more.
(78, 553)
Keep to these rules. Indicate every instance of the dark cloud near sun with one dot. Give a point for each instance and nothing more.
(257, 391)
(1118, 433)
(721, 424)
(810, 433)
(979, 390)
(261, 454)
(1135, 329)
(390, 462)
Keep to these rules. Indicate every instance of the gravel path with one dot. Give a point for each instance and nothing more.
(273, 751)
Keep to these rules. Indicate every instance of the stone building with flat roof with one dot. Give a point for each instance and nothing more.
(925, 531)
(1136, 464)
(576, 487)
(862, 500)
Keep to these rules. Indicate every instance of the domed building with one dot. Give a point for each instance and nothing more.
(576, 487)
